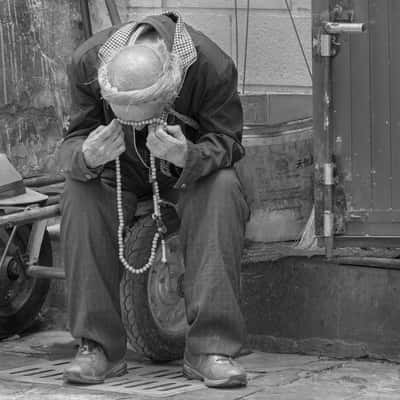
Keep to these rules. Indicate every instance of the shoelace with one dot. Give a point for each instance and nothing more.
(86, 348)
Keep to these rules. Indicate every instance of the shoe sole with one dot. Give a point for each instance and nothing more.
(231, 382)
(117, 370)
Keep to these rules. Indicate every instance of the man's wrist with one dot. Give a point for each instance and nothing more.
(183, 156)
(86, 159)
(80, 170)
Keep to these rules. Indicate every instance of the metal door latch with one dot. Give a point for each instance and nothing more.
(338, 21)
(328, 40)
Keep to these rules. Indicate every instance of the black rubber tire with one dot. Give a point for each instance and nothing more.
(37, 289)
(144, 335)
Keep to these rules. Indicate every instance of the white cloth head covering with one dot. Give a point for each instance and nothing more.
(183, 45)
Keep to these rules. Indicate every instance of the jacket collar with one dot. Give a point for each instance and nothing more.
(169, 26)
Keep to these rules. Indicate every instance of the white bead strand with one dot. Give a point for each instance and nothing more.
(159, 234)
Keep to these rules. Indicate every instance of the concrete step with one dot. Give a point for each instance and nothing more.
(301, 304)
(313, 306)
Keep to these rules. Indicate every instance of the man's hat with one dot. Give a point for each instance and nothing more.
(12, 187)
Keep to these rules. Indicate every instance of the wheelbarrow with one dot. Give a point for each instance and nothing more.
(152, 303)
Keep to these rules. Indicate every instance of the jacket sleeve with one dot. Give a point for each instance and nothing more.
(220, 118)
(86, 115)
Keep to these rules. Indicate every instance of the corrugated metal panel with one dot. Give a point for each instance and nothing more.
(394, 34)
(360, 110)
(366, 119)
(380, 105)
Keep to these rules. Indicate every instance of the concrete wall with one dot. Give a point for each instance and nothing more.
(38, 36)
(274, 58)
(36, 40)
(309, 305)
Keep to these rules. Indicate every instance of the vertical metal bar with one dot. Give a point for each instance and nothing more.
(246, 43)
(7, 246)
(319, 10)
(35, 240)
(113, 12)
(87, 25)
(327, 149)
(236, 34)
(328, 209)
(328, 219)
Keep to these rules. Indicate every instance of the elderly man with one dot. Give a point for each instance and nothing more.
(163, 89)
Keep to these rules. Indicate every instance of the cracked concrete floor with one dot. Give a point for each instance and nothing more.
(274, 376)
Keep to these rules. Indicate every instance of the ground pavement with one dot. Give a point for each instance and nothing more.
(30, 369)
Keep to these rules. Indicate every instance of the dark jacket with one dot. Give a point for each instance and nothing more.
(209, 96)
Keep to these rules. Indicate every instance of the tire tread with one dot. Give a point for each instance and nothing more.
(143, 334)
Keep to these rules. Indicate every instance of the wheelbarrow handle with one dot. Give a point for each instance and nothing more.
(30, 215)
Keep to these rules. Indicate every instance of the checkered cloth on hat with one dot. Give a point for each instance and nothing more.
(183, 44)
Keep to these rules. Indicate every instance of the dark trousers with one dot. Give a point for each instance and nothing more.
(213, 215)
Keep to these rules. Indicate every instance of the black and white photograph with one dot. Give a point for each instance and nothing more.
(199, 200)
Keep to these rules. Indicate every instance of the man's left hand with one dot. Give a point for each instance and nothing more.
(168, 143)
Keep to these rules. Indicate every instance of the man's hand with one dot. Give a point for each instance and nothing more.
(104, 144)
(168, 144)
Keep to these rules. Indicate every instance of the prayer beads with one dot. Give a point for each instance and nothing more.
(160, 232)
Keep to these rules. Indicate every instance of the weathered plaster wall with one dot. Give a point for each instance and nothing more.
(36, 40)
(38, 36)
(274, 59)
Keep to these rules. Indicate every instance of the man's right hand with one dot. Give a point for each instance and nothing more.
(104, 144)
